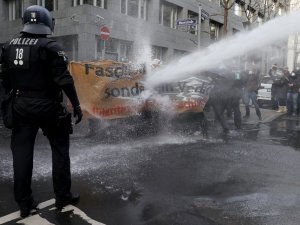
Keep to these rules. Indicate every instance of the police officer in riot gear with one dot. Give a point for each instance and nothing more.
(36, 72)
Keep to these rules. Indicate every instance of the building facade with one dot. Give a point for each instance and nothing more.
(293, 56)
(137, 27)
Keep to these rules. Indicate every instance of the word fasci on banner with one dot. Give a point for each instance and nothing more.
(124, 91)
(116, 71)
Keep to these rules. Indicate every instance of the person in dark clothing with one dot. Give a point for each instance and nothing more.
(218, 100)
(235, 95)
(35, 69)
(297, 74)
(1, 95)
(292, 94)
(275, 75)
(282, 84)
(226, 94)
(250, 92)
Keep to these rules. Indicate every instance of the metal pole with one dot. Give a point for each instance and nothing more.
(103, 50)
(295, 50)
(199, 26)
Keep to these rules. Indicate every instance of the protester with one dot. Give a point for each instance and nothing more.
(273, 73)
(236, 94)
(1, 94)
(36, 71)
(250, 92)
(297, 73)
(282, 84)
(292, 94)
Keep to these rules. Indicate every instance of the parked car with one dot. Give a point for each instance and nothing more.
(264, 95)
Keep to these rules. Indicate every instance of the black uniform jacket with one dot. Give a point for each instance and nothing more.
(35, 68)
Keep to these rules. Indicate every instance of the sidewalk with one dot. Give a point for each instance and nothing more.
(267, 115)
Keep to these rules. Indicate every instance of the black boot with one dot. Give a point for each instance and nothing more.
(71, 199)
(25, 208)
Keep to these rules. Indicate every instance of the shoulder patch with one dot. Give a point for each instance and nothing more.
(61, 53)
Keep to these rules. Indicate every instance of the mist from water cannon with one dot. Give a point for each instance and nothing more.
(272, 31)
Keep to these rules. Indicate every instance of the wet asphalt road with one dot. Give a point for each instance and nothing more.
(173, 177)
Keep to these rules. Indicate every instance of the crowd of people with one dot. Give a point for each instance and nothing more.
(285, 90)
(234, 87)
(230, 88)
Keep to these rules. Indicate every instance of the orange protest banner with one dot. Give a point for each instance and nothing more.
(110, 90)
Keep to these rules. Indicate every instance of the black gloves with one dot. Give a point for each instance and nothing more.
(70, 91)
(77, 113)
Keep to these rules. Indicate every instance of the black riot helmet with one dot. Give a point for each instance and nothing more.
(37, 20)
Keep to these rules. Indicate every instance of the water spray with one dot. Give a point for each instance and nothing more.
(272, 31)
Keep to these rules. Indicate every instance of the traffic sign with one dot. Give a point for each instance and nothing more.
(104, 33)
(204, 15)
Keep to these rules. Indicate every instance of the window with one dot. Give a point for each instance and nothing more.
(115, 49)
(16, 9)
(260, 20)
(250, 13)
(125, 51)
(135, 8)
(159, 53)
(237, 9)
(281, 10)
(193, 29)
(273, 6)
(215, 28)
(51, 5)
(99, 3)
(169, 14)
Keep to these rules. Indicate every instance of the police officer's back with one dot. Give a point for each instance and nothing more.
(36, 72)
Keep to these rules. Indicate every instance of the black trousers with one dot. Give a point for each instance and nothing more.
(22, 146)
(235, 105)
(219, 107)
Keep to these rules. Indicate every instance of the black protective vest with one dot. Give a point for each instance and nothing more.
(29, 67)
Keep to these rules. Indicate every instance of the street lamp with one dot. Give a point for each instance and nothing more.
(199, 23)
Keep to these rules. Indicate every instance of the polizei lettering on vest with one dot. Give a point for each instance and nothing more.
(24, 41)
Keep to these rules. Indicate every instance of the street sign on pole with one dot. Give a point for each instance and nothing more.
(186, 22)
(199, 25)
(204, 15)
(104, 33)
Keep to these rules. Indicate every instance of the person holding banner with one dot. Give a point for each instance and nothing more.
(35, 73)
